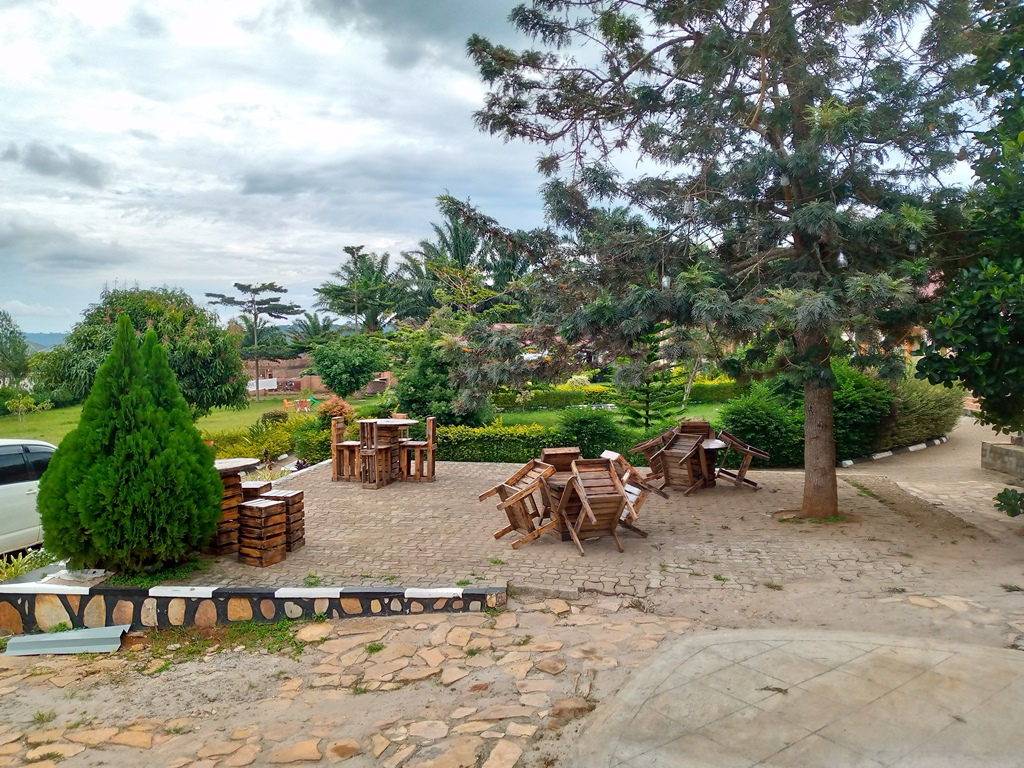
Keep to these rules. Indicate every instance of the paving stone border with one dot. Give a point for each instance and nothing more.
(894, 452)
(40, 607)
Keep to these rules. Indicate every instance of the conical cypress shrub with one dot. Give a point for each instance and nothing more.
(113, 496)
(184, 467)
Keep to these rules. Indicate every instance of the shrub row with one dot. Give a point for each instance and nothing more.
(564, 396)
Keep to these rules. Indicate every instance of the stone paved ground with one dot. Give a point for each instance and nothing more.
(439, 690)
(439, 534)
(719, 559)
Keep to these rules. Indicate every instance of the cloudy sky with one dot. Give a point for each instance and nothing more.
(197, 144)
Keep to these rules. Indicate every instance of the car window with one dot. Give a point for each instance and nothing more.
(13, 468)
(38, 458)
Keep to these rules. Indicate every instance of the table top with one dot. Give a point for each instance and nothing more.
(713, 445)
(391, 422)
(235, 466)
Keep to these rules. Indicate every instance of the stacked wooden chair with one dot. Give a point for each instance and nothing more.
(748, 452)
(516, 500)
(602, 499)
(344, 453)
(417, 456)
(679, 460)
(637, 489)
(651, 448)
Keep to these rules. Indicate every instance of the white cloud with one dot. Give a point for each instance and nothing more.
(198, 144)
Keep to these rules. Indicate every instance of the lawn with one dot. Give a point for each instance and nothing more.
(53, 425)
(550, 418)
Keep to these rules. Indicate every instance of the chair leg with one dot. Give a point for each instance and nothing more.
(503, 531)
(531, 536)
(633, 528)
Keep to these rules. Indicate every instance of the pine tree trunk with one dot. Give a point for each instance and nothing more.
(821, 493)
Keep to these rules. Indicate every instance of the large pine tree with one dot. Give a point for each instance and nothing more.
(800, 141)
(114, 496)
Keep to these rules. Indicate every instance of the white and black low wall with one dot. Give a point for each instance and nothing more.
(40, 607)
(894, 452)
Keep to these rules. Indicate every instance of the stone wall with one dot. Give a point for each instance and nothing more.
(1003, 457)
(39, 607)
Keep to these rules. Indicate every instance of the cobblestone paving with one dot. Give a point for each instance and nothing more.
(430, 691)
(439, 534)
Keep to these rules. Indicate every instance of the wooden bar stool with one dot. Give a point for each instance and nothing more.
(417, 456)
(344, 453)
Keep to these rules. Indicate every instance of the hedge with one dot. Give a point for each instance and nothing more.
(562, 396)
(516, 444)
(922, 412)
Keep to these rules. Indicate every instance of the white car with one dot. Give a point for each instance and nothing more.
(22, 463)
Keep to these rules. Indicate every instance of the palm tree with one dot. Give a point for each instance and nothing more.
(365, 290)
(311, 330)
(457, 246)
(415, 288)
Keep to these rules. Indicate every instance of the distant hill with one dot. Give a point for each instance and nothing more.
(41, 341)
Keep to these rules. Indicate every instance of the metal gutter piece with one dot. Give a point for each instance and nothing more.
(92, 640)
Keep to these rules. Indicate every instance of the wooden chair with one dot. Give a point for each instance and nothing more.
(676, 459)
(403, 432)
(651, 448)
(288, 403)
(560, 458)
(303, 405)
(637, 490)
(602, 499)
(702, 428)
(344, 453)
(417, 456)
(519, 505)
(374, 458)
(749, 453)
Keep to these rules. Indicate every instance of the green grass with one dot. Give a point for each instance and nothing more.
(44, 716)
(373, 648)
(147, 580)
(53, 425)
(12, 566)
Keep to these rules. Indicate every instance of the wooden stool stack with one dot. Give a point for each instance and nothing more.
(225, 541)
(295, 516)
(253, 489)
(344, 453)
(262, 532)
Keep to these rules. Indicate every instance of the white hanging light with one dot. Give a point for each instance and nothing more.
(912, 247)
(784, 179)
(666, 281)
(841, 261)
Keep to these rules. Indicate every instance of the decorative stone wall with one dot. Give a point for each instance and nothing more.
(39, 607)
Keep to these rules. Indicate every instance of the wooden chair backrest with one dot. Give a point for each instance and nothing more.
(560, 458)
(527, 476)
(368, 433)
(702, 428)
(432, 431)
(602, 494)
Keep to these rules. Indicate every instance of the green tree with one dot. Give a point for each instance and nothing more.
(647, 395)
(24, 405)
(349, 363)
(255, 305)
(203, 356)
(311, 330)
(365, 291)
(120, 491)
(800, 140)
(977, 337)
(14, 352)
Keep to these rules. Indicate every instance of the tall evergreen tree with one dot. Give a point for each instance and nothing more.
(800, 140)
(115, 495)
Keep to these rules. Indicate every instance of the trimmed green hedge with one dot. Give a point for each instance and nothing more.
(721, 392)
(922, 412)
(517, 444)
(564, 396)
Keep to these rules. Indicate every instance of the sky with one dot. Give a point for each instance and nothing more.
(199, 144)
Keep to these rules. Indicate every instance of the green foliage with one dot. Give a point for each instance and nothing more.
(764, 419)
(561, 396)
(922, 412)
(331, 408)
(274, 416)
(12, 566)
(1010, 501)
(14, 352)
(132, 486)
(426, 386)
(312, 443)
(594, 431)
(310, 331)
(861, 404)
(24, 404)
(155, 577)
(978, 339)
(716, 392)
(515, 444)
(365, 289)
(350, 362)
(204, 357)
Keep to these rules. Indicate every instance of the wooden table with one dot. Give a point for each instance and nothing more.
(380, 462)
